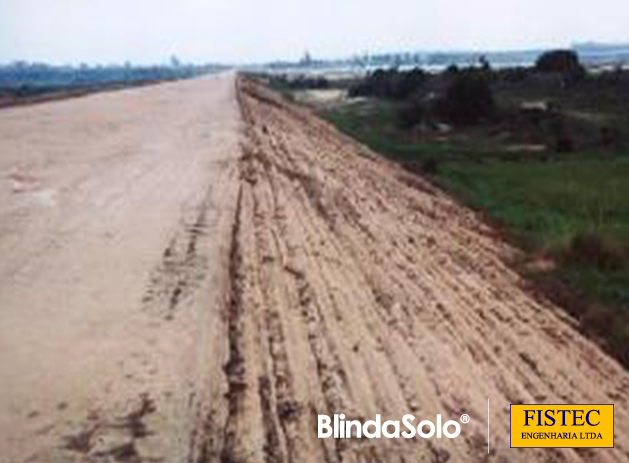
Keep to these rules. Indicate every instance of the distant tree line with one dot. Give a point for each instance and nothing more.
(24, 74)
(482, 95)
(464, 96)
(390, 83)
(300, 82)
(594, 54)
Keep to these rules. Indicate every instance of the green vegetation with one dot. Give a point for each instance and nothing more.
(548, 163)
(32, 75)
(389, 84)
(565, 62)
(28, 94)
(25, 83)
(548, 203)
(575, 211)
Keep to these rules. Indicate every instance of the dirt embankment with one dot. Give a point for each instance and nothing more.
(192, 273)
(359, 289)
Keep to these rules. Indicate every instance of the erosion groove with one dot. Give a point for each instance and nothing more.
(359, 289)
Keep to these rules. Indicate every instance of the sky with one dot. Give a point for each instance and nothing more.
(239, 31)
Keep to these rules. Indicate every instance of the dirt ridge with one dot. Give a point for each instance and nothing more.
(362, 291)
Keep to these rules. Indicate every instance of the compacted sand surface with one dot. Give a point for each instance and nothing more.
(115, 220)
(192, 272)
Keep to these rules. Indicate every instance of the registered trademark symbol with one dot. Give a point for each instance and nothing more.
(465, 419)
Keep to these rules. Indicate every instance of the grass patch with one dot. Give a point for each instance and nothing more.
(546, 204)
(576, 210)
(375, 123)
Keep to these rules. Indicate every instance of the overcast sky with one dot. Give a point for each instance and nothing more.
(259, 30)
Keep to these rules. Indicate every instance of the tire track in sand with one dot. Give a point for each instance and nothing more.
(360, 289)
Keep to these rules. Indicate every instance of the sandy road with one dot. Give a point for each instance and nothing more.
(115, 221)
(184, 280)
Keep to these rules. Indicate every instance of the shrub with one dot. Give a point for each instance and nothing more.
(299, 82)
(592, 249)
(468, 100)
(410, 114)
(512, 75)
(430, 166)
(408, 83)
(390, 84)
(314, 83)
(564, 62)
(607, 136)
(564, 144)
(561, 139)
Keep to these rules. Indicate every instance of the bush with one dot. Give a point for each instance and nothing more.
(299, 83)
(561, 140)
(410, 114)
(564, 144)
(468, 100)
(512, 75)
(430, 166)
(564, 62)
(592, 249)
(390, 84)
(409, 82)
